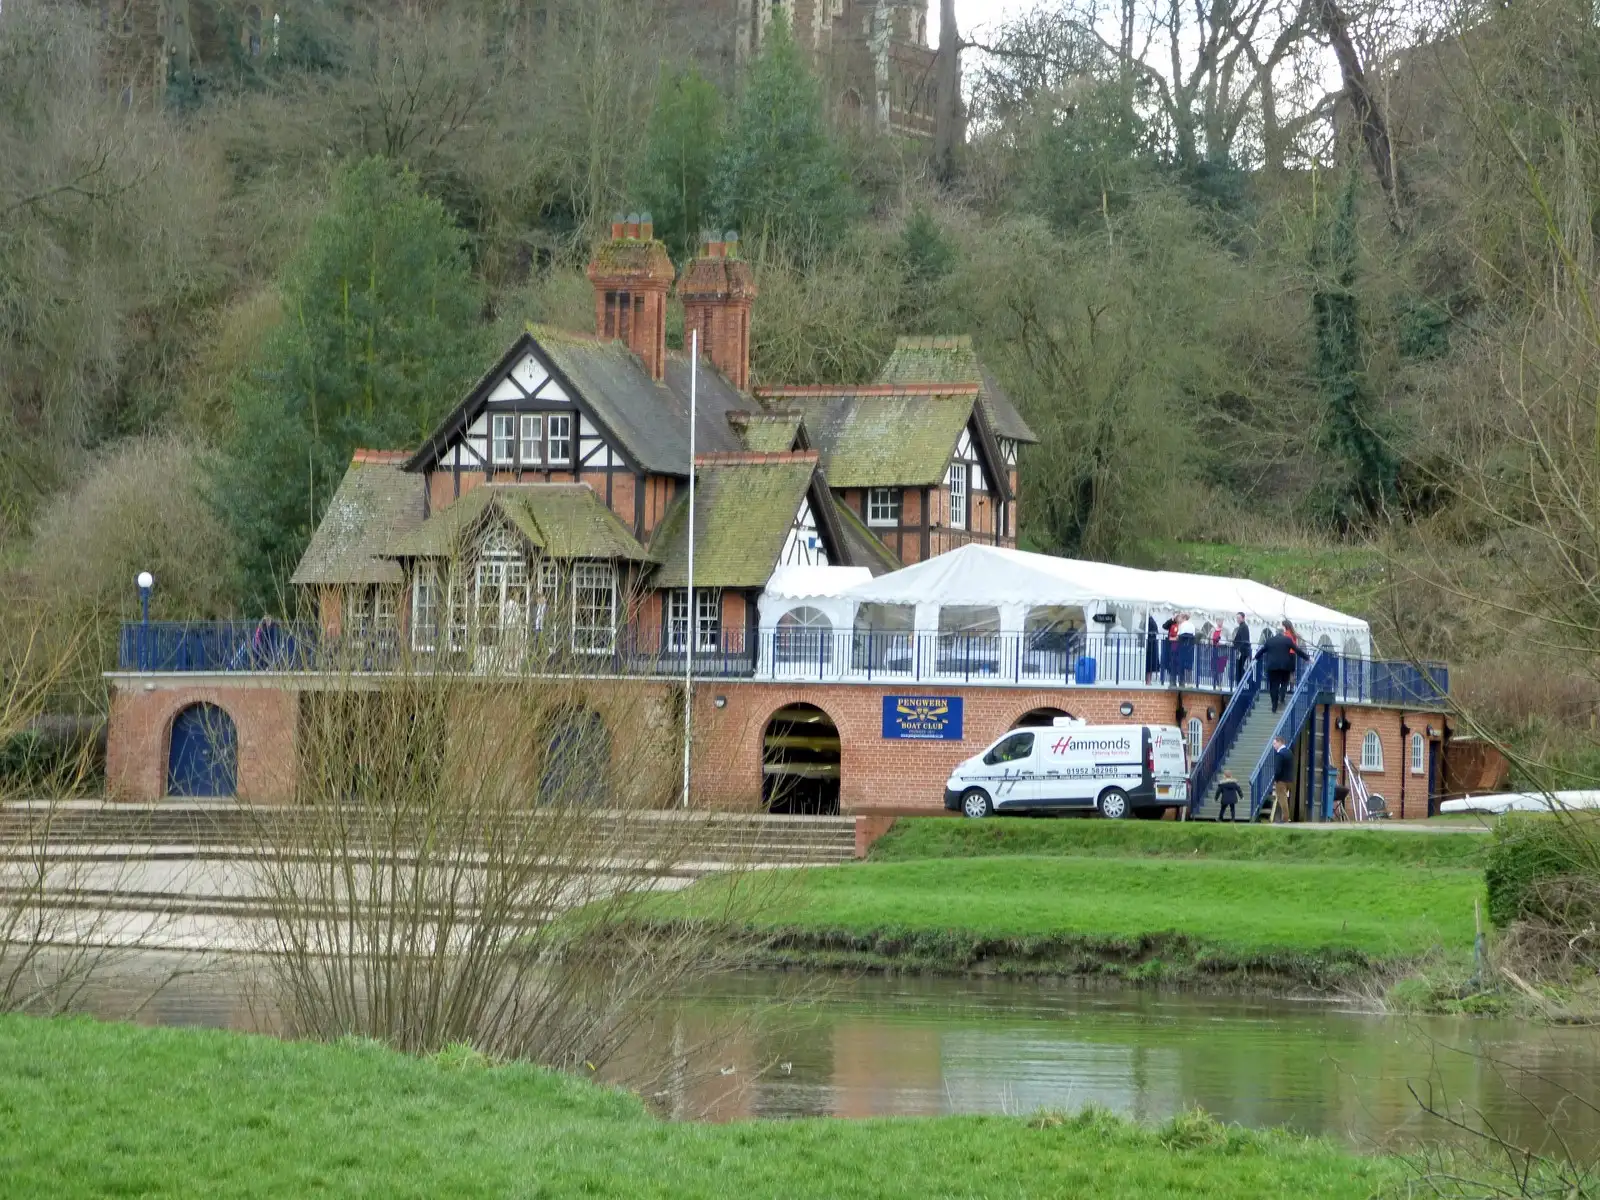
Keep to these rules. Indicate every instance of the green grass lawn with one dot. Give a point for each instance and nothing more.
(89, 1109)
(1377, 910)
(946, 837)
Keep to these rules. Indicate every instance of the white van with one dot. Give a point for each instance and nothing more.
(1110, 769)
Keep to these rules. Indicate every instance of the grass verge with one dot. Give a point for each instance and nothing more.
(942, 837)
(1322, 925)
(91, 1109)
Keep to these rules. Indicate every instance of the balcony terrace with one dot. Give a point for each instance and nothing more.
(1111, 660)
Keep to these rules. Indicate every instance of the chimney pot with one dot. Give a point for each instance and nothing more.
(632, 228)
(617, 224)
(647, 227)
(714, 249)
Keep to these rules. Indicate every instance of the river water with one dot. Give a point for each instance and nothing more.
(771, 1044)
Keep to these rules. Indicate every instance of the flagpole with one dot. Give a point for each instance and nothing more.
(693, 631)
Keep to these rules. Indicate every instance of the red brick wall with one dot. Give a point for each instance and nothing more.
(1406, 793)
(264, 716)
(881, 773)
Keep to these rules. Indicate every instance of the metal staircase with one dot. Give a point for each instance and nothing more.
(1252, 740)
(1242, 740)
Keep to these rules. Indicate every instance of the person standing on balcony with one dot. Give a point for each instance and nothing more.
(1241, 650)
(1282, 778)
(1185, 662)
(1277, 659)
(1228, 792)
(1169, 649)
(1152, 650)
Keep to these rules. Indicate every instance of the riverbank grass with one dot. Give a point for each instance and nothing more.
(942, 837)
(1274, 925)
(91, 1109)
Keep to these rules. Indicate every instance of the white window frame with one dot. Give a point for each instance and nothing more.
(356, 619)
(1419, 754)
(502, 438)
(883, 506)
(591, 636)
(677, 620)
(1371, 752)
(425, 606)
(563, 438)
(956, 482)
(532, 439)
(385, 615)
(707, 620)
(1196, 739)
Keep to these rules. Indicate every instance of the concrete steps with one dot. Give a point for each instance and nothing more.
(206, 828)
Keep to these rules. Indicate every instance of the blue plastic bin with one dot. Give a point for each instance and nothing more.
(1084, 675)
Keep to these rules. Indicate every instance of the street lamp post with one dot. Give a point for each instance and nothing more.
(145, 583)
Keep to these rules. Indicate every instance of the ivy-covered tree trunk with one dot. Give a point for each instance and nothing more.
(1350, 425)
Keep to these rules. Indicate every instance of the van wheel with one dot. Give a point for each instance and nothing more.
(1114, 804)
(975, 803)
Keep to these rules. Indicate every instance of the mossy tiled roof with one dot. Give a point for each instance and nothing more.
(376, 501)
(768, 433)
(953, 360)
(743, 511)
(564, 520)
(866, 548)
(900, 439)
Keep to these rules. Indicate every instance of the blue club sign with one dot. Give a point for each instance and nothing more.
(922, 718)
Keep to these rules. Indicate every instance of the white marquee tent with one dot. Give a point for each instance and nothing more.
(994, 589)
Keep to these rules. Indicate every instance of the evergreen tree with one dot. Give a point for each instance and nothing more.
(779, 175)
(1350, 427)
(926, 258)
(683, 140)
(381, 331)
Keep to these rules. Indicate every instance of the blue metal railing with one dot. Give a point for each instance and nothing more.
(1311, 685)
(1224, 735)
(1042, 658)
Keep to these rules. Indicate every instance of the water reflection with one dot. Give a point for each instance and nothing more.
(893, 1047)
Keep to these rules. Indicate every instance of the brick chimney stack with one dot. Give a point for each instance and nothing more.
(631, 275)
(717, 289)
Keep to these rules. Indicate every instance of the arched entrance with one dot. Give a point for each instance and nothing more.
(1036, 718)
(800, 771)
(577, 763)
(203, 753)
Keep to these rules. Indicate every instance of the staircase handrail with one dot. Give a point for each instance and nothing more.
(1319, 677)
(1224, 735)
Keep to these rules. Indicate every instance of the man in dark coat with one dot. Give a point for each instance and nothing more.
(1241, 650)
(1228, 792)
(1277, 659)
(1282, 777)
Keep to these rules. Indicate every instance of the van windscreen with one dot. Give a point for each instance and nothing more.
(1017, 746)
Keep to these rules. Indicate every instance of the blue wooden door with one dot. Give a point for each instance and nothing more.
(203, 756)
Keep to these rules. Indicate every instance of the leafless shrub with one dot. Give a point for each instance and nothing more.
(475, 854)
(58, 927)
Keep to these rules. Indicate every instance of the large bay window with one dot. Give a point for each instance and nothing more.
(594, 607)
(708, 620)
(425, 599)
